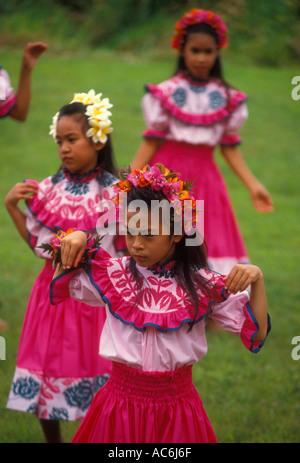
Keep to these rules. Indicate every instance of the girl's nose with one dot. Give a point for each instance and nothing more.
(137, 243)
(64, 147)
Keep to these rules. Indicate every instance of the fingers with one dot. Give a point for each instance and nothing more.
(21, 191)
(72, 249)
(240, 277)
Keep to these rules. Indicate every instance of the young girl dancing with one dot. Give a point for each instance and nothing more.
(58, 367)
(157, 301)
(187, 116)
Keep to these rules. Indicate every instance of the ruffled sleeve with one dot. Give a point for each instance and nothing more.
(7, 96)
(38, 233)
(79, 284)
(234, 314)
(233, 125)
(156, 117)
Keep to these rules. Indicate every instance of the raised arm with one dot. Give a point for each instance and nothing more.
(18, 192)
(261, 198)
(240, 277)
(31, 54)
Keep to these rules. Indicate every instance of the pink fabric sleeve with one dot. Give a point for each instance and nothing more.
(235, 315)
(7, 96)
(233, 124)
(156, 117)
(79, 284)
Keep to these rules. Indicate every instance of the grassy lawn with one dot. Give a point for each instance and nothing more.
(249, 398)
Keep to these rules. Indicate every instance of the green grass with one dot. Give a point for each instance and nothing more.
(249, 398)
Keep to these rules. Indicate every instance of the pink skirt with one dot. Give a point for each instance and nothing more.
(146, 407)
(221, 231)
(59, 369)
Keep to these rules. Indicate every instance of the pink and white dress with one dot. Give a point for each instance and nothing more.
(7, 95)
(150, 396)
(58, 367)
(193, 118)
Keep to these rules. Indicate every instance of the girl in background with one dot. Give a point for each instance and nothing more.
(16, 105)
(157, 301)
(187, 116)
(58, 367)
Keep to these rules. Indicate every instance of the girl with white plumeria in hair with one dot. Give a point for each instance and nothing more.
(157, 301)
(58, 367)
(187, 117)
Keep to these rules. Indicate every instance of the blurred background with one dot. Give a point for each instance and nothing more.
(115, 47)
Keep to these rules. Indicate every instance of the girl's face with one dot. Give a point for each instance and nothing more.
(200, 53)
(150, 246)
(76, 151)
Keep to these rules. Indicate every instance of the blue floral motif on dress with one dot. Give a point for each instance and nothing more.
(32, 408)
(80, 395)
(57, 178)
(27, 388)
(58, 414)
(216, 99)
(99, 381)
(77, 188)
(179, 97)
(106, 179)
(198, 88)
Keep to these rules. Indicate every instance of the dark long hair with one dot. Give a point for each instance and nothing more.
(106, 158)
(188, 259)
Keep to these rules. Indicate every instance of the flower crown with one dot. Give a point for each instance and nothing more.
(158, 177)
(195, 16)
(97, 113)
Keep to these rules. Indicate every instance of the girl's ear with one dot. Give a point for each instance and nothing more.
(177, 238)
(99, 145)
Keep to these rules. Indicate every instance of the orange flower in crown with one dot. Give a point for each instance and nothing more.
(157, 177)
(195, 16)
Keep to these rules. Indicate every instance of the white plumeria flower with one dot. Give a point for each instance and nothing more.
(87, 98)
(53, 126)
(97, 112)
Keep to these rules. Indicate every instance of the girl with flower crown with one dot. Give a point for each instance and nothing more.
(157, 301)
(58, 367)
(187, 116)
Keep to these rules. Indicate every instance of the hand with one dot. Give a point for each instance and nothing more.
(241, 276)
(72, 249)
(20, 191)
(32, 53)
(261, 198)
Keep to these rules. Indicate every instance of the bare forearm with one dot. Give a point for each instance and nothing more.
(19, 219)
(236, 162)
(146, 152)
(20, 110)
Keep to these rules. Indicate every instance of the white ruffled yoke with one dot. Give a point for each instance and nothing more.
(151, 335)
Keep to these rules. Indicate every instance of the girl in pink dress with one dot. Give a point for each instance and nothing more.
(187, 116)
(157, 301)
(58, 367)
